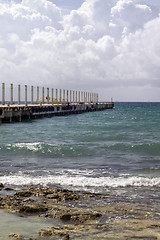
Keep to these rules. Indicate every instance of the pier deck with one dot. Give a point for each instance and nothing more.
(16, 113)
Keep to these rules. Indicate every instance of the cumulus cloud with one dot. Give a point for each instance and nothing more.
(102, 44)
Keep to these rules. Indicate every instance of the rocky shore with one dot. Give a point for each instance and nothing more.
(83, 215)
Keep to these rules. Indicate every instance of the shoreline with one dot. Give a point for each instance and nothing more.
(82, 215)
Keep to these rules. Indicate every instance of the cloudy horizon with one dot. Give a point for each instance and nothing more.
(107, 46)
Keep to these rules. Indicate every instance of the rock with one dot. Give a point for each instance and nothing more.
(32, 209)
(8, 189)
(54, 231)
(84, 217)
(142, 238)
(66, 237)
(16, 236)
(23, 193)
(1, 186)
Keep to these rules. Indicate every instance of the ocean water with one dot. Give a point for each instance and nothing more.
(113, 151)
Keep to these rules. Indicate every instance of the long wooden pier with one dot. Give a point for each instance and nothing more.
(73, 102)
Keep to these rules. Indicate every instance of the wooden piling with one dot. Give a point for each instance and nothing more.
(52, 96)
(26, 95)
(31, 94)
(19, 94)
(67, 96)
(37, 95)
(43, 95)
(3, 93)
(48, 98)
(11, 94)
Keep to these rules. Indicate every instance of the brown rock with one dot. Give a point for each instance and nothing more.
(32, 209)
(23, 193)
(16, 236)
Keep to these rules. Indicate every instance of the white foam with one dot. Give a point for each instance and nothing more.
(80, 181)
(29, 146)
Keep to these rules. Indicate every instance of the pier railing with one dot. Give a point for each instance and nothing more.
(30, 95)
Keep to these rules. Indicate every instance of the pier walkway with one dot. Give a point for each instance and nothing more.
(73, 102)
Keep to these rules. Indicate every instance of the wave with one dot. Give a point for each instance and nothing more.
(41, 148)
(80, 181)
(61, 149)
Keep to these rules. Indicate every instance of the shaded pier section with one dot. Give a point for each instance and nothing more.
(51, 102)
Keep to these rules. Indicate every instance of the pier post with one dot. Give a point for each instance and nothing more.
(26, 95)
(19, 94)
(48, 99)
(43, 95)
(84, 97)
(63, 95)
(73, 96)
(3, 93)
(81, 96)
(67, 96)
(60, 95)
(11, 93)
(31, 94)
(88, 97)
(78, 96)
(56, 95)
(52, 96)
(37, 95)
(70, 96)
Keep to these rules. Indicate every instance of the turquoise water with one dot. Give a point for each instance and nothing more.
(99, 151)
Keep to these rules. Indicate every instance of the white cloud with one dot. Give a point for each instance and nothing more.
(103, 44)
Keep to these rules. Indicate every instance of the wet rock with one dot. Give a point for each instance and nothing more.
(142, 237)
(84, 217)
(54, 231)
(9, 189)
(1, 186)
(23, 194)
(32, 209)
(16, 236)
(56, 194)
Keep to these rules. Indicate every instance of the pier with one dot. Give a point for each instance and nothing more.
(23, 102)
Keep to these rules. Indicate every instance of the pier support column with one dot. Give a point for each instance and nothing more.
(64, 96)
(31, 94)
(52, 97)
(56, 95)
(26, 95)
(81, 96)
(70, 96)
(43, 95)
(3, 93)
(48, 98)
(78, 96)
(84, 97)
(67, 96)
(37, 101)
(60, 95)
(73, 96)
(11, 93)
(19, 94)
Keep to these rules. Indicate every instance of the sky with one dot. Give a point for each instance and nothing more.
(111, 47)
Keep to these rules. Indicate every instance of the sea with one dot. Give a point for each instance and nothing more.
(113, 151)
